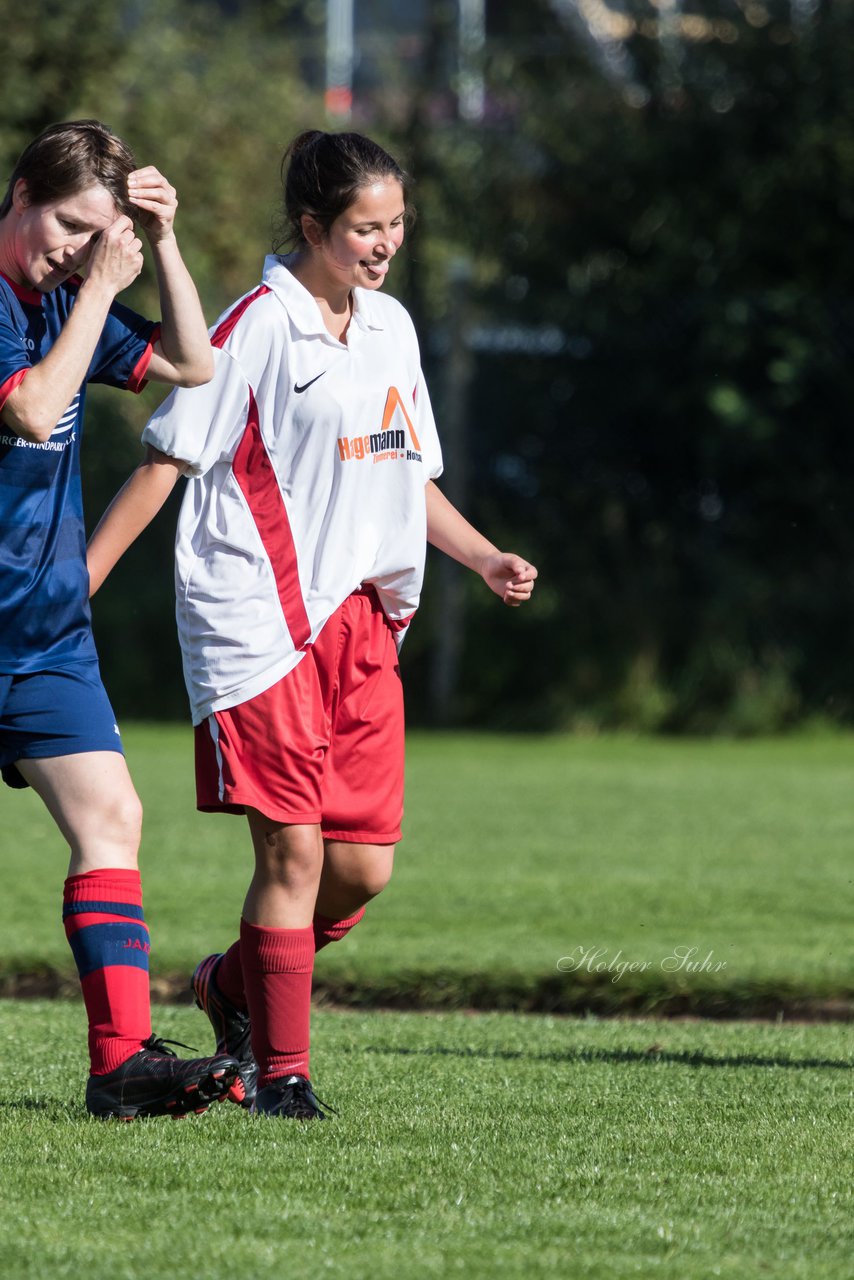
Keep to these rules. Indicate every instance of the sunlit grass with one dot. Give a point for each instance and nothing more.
(521, 853)
(478, 1146)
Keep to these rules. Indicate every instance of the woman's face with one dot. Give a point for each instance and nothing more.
(52, 241)
(360, 244)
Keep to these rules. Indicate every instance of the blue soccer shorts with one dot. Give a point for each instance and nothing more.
(64, 712)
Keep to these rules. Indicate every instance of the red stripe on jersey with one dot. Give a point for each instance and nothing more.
(254, 472)
(225, 330)
(13, 381)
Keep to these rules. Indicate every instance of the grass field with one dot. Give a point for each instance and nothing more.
(479, 1144)
(476, 1146)
(529, 866)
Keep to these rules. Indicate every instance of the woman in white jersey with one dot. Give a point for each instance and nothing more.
(311, 458)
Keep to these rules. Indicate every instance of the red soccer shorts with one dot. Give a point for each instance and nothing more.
(325, 744)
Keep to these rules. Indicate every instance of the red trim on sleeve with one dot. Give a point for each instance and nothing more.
(229, 324)
(136, 382)
(11, 383)
(254, 473)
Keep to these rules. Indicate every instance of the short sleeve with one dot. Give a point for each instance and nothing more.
(14, 357)
(124, 349)
(203, 425)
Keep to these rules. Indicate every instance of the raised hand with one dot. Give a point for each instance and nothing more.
(116, 257)
(156, 201)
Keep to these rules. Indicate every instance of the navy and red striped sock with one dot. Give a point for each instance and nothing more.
(105, 927)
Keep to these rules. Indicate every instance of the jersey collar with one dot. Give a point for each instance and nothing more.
(366, 311)
(301, 307)
(30, 296)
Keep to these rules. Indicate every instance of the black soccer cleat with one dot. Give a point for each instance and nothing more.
(155, 1082)
(290, 1096)
(231, 1025)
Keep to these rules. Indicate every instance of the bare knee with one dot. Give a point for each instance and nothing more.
(115, 824)
(371, 881)
(93, 802)
(127, 819)
(287, 862)
(290, 856)
(352, 875)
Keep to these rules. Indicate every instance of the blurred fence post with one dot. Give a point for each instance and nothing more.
(340, 56)
(471, 92)
(453, 385)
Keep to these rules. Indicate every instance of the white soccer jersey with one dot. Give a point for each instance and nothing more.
(307, 461)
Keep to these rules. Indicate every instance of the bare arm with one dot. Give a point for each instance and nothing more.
(132, 510)
(182, 355)
(35, 406)
(505, 573)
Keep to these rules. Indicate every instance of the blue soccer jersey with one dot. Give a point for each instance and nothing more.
(44, 586)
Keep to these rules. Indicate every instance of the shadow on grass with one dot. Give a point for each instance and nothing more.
(450, 990)
(29, 1104)
(652, 1055)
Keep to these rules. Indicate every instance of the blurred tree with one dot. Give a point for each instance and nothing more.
(211, 99)
(47, 57)
(660, 231)
(649, 360)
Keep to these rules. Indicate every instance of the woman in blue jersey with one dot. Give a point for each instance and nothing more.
(311, 457)
(68, 247)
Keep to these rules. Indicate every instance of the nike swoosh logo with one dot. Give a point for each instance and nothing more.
(298, 389)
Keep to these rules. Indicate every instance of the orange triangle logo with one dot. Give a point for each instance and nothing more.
(393, 401)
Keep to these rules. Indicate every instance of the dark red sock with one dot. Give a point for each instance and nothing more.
(327, 930)
(102, 912)
(229, 977)
(277, 967)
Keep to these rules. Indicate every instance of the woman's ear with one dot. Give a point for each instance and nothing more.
(311, 230)
(20, 195)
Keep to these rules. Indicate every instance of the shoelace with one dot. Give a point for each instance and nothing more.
(159, 1045)
(301, 1089)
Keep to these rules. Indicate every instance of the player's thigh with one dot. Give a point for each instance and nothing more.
(92, 800)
